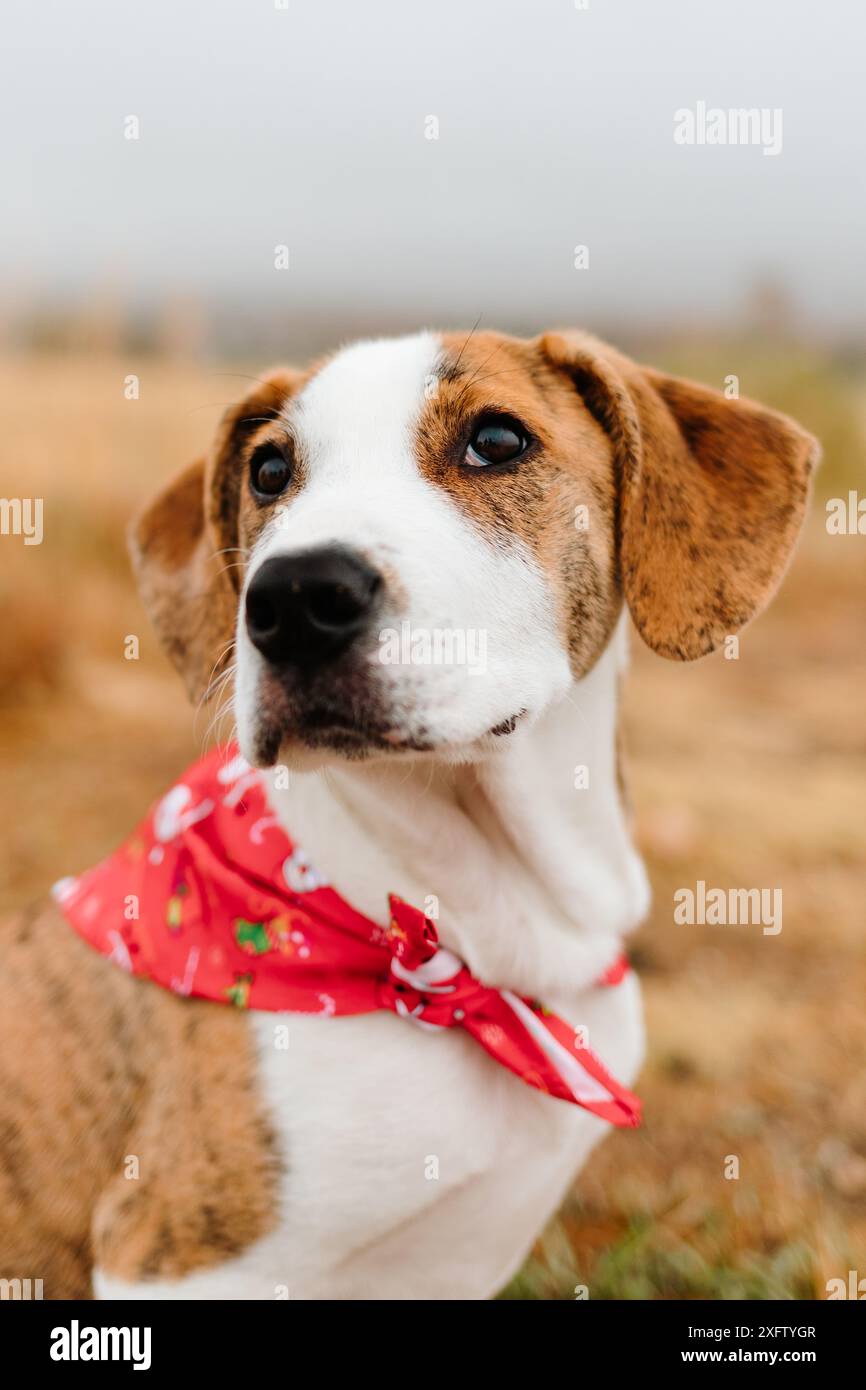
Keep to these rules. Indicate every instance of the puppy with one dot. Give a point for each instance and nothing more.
(410, 563)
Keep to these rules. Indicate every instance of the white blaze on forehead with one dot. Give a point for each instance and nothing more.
(357, 414)
(362, 487)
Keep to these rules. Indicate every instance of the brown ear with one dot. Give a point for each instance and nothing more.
(712, 495)
(183, 583)
(183, 545)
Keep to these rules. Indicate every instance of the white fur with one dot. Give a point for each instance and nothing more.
(535, 882)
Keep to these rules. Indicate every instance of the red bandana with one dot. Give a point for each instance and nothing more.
(209, 897)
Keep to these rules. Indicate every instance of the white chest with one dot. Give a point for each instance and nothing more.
(415, 1165)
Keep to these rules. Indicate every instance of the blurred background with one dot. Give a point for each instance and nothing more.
(194, 191)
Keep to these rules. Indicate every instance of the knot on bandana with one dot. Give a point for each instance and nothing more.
(412, 936)
(210, 898)
(426, 983)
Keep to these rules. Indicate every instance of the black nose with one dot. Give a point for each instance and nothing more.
(304, 609)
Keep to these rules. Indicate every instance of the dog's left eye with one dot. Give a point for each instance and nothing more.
(270, 473)
(497, 439)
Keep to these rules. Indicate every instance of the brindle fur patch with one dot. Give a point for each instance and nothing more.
(712, 493)
(539, 502)
(97, 1068)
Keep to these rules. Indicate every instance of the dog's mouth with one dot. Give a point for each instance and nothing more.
(326, 728)
(327, 731)
(507, 726)
(351, 722)
(350, 728)
(323, 727)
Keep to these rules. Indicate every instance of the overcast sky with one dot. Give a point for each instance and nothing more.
(305, 126)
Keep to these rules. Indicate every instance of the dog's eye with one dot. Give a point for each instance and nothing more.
(498, 439)
(270, 472)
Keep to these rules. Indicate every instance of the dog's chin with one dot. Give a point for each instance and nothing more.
(321, 738)
(347, 719)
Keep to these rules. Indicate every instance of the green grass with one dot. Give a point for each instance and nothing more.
(649, 1262)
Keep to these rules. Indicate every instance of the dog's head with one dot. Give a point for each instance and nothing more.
(418, 544)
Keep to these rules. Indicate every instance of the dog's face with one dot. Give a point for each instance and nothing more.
(415, 580)
(416, 546)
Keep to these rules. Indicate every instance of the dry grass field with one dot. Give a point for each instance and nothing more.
(745, 773)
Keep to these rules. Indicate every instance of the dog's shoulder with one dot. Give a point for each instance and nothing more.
(132, 1134)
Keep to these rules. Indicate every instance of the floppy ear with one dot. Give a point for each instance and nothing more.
(711, 495)
(184, 584)
(183, 544)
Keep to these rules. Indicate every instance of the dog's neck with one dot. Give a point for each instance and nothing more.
(531, 874)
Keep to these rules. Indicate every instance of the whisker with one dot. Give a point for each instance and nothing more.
(241, 376)
(212, 685)
(466, 343)
(222, 712)
(218, 684)
(480, 368)
(477, 380)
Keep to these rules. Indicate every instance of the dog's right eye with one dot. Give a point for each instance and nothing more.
(270, 473)
(496, 439)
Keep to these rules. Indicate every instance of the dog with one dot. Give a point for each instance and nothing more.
(532, 493)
